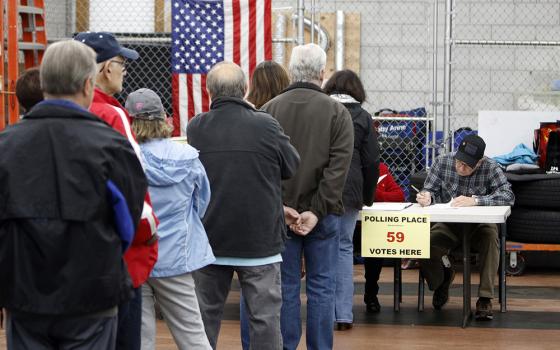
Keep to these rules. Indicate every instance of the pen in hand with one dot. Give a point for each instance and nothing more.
(422, 197)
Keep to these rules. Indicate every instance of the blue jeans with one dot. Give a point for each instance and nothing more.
(345, 270)
(320, 248)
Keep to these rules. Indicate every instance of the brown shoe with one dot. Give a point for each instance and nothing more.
(484, 310)
(343, 326)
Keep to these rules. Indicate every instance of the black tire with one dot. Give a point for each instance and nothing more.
(519, 269)
(534, 226)
(542, 193)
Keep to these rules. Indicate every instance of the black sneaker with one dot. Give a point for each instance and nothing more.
(372, 306)
(484, 310)
(441, 294)
(343, 326)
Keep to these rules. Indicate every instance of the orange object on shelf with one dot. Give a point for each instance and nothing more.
(541, 247)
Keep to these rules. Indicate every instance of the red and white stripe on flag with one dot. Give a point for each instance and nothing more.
(247, 28)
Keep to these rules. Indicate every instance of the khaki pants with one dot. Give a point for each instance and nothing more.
(447, 236)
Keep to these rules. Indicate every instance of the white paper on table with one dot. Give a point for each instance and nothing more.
(381, 178)
(443, 205)
(388, 206)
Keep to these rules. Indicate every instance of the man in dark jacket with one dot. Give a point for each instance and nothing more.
(246, 156)
(321, 130)
(71, 196)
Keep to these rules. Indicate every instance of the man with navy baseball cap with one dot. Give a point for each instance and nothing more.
(142, 255)
(105, 45)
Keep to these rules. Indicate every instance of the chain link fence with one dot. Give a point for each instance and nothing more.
(395, 56)
(505, 57)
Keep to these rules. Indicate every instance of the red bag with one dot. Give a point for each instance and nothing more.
(541, 140)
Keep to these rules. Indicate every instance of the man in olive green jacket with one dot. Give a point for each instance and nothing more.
(322, 132)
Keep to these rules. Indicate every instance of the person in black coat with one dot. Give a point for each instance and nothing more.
(246, 156)
(71, 196)
(345, 87)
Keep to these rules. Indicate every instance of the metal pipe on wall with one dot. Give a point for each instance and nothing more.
(323, 40)
(279, 33)
(339, 47)
(70, 18)
(506, 43)
(300, 22)
(434, 86)
(312, 21)
(447, 137)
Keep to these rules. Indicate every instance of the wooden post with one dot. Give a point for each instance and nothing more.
(159, 16)
(82, 15)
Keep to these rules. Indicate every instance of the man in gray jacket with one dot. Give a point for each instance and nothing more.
(246, 156)
(322, 132)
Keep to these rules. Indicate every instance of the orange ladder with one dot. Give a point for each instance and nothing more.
(2, 60)
(32, 43)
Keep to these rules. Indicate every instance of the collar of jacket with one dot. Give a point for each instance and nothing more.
(304, 85)
(221, 101)
(101, 97)
(344, 98)
(59, 111)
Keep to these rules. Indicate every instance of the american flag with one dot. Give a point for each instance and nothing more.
(204, 32)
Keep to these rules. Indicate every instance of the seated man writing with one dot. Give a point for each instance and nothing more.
(466, 178)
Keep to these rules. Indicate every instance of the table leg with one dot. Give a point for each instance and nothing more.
(503, 303)
(400, 281)
(420, 292)
(467, 311)
(397, 285)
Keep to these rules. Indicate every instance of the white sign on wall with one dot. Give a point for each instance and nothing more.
(503, 130)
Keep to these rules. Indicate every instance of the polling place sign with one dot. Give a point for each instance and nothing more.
(390, 234)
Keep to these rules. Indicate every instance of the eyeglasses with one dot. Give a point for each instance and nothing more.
(122, 63)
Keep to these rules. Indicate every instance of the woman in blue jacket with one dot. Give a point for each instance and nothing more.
(180, 193)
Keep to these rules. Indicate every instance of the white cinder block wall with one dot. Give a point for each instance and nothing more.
(396, 52)
(396, 49)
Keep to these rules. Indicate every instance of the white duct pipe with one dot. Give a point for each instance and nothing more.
(300, 19)
(279, 34)
(339, 47)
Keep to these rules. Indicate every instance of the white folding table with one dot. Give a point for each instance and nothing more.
(480, 215)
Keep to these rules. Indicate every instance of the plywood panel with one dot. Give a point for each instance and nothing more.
(159, 23)
(82, 15)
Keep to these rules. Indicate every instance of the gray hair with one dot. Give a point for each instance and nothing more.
(307, 62)
(226, 79)
(66, 66)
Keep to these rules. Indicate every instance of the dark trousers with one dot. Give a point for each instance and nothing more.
(39, 332)
(130, 322)
(372, 267)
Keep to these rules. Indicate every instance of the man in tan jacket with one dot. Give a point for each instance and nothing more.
(322, 132)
